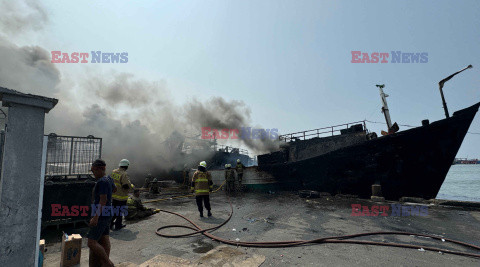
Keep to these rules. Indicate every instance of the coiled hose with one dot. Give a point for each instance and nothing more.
(333, 239)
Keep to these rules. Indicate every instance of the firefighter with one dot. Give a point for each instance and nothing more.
(202, 185)
(239, 168)
(154, 187)
(148, 180)
(229, 179)
(120, 197)
(136, 210)
(186, 171)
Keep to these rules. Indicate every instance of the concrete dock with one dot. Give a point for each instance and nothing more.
(285, 216)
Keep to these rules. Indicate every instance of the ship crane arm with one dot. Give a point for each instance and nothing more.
(442, 83)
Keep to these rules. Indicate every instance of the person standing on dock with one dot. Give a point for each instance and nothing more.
(229, 179)
(98, 234)
(148, 180)
(120, 197)
(154, 189)
(202, 185)
(186, 172)
(239, 168)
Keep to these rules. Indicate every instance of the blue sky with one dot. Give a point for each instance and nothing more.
(289, 61)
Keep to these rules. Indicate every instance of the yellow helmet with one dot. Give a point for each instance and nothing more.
(203, 164)
(226, 165)
(238, 160)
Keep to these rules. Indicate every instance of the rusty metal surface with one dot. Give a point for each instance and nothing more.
(412, 163)
(357, 126)
(67, 193)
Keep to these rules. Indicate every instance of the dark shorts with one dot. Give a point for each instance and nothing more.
(102, 228)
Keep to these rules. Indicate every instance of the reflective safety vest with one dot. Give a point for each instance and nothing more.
(120, 178)
(229, 175)
(132, 209)
(202, 183)
(130, 202)
(134, 204)
(239, 168)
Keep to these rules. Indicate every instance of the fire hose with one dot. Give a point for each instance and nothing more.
(332, 239)
(190, 195)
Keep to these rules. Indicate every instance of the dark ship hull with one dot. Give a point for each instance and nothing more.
(410, 163)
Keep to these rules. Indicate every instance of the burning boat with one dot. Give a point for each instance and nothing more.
(351, 159)
(183, 153)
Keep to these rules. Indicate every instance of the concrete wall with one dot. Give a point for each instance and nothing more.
(20, 185)
(21, 177)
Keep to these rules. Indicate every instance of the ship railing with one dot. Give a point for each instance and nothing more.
(230, 149)
(320, 132)
(71, 155)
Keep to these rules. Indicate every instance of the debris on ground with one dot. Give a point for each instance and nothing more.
(346, 196)
(220, 256)
(267, 221)
(308, 194)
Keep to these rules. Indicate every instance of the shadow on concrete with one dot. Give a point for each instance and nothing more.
(124, 234)
(211, 220)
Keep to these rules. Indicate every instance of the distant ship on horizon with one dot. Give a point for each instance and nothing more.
(465, 161)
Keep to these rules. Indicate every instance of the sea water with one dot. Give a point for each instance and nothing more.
(462, 183)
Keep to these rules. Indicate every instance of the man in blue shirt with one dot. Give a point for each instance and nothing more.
(98, 235)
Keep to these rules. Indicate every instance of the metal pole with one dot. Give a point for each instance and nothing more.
(385, 110)
(71, 156)
(40, 197)
(2, 135)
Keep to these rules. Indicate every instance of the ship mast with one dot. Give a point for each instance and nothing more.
(385, 110)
